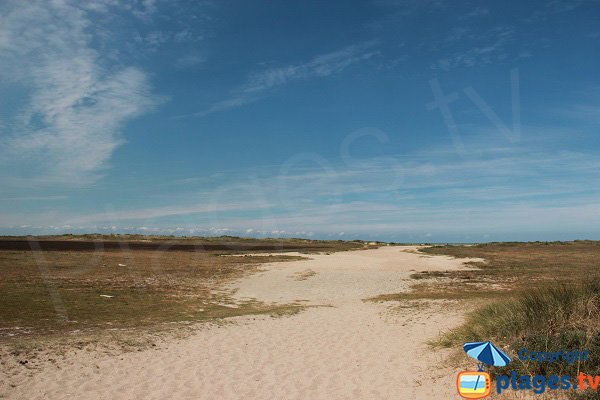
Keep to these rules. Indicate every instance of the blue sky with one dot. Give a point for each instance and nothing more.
(387, 119)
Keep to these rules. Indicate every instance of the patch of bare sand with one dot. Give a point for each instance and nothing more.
(348, 349)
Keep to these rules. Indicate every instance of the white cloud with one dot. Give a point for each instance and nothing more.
(488, 47)
(155, 39)
(190, 60)
(76, 104)
(144, 8)
(437, 191)
(34, 198)
(203, 207)
(586, 109)
(321, 66)
(476, 13)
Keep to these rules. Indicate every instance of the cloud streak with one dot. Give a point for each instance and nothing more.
(260, 83)
(490, 47)
(494, 190)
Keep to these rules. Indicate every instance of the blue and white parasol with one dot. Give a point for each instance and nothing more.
(486, 353)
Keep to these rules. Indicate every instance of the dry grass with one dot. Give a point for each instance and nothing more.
(509, 267)
(68, 290)
(126, 293)
(304, 275)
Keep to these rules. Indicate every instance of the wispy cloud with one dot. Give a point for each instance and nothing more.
(495, 189)
(190, 60)
(260, 83)
(475, 13)
(477, 49)
(33, 198)
(167, 211)
(557, 7)
(583, 109)
(69, 124)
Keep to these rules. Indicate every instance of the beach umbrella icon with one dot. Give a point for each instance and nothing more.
(486, 353)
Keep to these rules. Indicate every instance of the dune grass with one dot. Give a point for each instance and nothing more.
(556, 318)
(550, 302)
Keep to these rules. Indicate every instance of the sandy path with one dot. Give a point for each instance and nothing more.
(347, 350)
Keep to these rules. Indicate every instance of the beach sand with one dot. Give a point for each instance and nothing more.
(342, 348)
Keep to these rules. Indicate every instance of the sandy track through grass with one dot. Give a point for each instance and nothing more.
(348, 348)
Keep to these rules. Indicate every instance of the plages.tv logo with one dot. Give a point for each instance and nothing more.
(477, 384)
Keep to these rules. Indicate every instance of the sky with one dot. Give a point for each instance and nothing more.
(394, 120)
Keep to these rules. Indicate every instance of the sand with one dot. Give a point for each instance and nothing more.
(342, 348)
